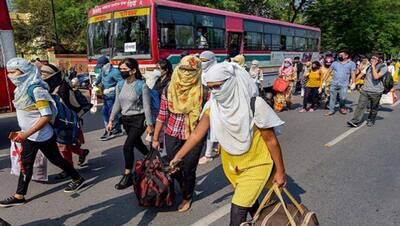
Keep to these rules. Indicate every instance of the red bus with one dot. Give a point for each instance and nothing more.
(148, 30)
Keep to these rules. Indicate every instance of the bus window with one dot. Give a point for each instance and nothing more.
(184, 36)
(253, 41)
(283, 42)
(99, 34)
(216, 38)
(132, 34)
(210, 31)
(267, 42)
(175, 28)
(276, 42)
(289, 43)
(300, 43)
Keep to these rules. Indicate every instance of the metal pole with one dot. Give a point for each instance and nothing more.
(55, 25)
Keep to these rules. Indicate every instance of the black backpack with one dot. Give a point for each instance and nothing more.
(387, 81)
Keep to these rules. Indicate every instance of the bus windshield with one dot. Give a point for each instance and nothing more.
(132, 35)
(99, 38)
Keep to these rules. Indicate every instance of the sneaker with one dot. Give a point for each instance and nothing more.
(125, 182)
(352, 124)
(61, 176)
(104, 136)
(12, 201)
(205, 159)
(370, 123)
(74, 185)
(82, 158)
(115, 133)
(303, 110)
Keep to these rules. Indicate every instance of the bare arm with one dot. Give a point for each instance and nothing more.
(275, 149)
(375, 74)
(194, 138)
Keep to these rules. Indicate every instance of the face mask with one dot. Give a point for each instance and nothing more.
(199, 33)
(340, 58)
(286, 65)
(327, 65)
(125, 74)
(18, 80)
(54, 80)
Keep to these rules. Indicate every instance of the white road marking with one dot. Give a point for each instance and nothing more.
(343, 135)
(350, 131)
(214, 216)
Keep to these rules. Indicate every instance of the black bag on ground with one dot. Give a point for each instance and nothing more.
(152, 184)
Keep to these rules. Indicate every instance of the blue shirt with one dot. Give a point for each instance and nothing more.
(109, 80)
(342, 72)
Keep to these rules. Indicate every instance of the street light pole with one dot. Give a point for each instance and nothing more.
(55, 25)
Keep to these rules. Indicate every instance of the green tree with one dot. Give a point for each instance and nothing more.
(361, 26)
(39, 34)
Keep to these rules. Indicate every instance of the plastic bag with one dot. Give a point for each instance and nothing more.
(39, 167)
(93, 100)
(388, 99)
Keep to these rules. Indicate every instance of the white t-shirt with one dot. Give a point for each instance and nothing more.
(29, 116)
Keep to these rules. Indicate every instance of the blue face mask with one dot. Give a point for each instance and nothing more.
(18, 80)
(286, 65)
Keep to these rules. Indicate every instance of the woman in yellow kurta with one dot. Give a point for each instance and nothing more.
(249, 148)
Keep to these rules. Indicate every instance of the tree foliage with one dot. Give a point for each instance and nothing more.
(361, 26)
(39, 34)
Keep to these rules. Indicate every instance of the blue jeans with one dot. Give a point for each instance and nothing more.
(335, 90)
(107, 108)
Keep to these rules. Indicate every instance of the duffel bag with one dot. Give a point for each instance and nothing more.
(280, 213)
(152, 184)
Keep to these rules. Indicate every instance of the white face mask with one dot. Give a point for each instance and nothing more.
(286, 65)
(18, 80)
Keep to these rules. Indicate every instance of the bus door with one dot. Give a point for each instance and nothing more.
(234, 43)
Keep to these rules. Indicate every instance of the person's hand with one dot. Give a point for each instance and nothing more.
(155, 144)
(280, 179)
(174, 165)
(20, 138)
(150, 130)
(374, 61)
(109, 126)
(320, 90)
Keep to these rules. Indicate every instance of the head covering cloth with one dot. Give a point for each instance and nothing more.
(185, 92)
(231, 118)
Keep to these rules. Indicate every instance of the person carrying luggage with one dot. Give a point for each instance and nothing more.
(249, 148)
(181, 105)
(36, 133)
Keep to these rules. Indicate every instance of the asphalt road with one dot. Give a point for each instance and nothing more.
(354, 182)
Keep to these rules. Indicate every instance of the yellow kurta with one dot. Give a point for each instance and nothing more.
(249, 172)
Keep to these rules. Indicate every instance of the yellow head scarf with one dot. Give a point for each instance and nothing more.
(185, 92)
(239, 59)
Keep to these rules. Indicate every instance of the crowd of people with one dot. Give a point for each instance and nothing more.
(223, 106)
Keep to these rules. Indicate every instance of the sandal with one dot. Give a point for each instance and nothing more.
(185, 206)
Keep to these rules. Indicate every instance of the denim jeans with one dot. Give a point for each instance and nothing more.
(365, 99)
(335, 90)
(107, 108)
